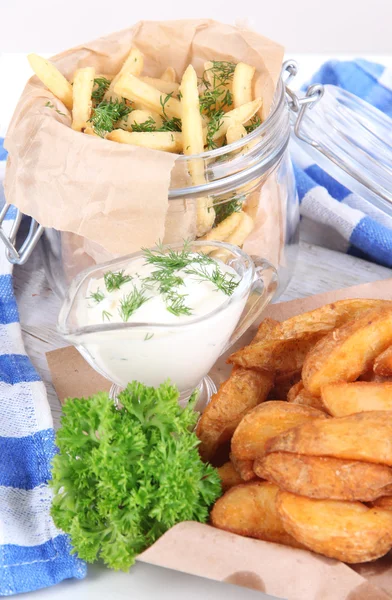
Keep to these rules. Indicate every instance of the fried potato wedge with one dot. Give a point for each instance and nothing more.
(265, 422)
(244, 468)
(250, 510)
(266, 327)
(348, 531)
(238, 395)
(298, 395)
(323, 477)
(385, 502)
(363, 436)
(341, 399)
(383, 363)
(284, 383)
(348, 351)
(291, 341)
(229, 476)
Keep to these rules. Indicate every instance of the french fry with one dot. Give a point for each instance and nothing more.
(130, 87)
(166, 141)
(90, 131)
(242, 114)
(324, 477)
(348, 531)
(52, 79)
(348, 351)
(193, 140)
(241, 232)
(266, 421)
(244, 468)
(363, 436)
(235, 132)
(250, 510)
(133, 65)
(383, 363)
(341, 399)
(240, 393)
(297, 335)
(242, 84)
(169, 74)
(138, 117)
(81, 93)
(166, 87)
(224, 229)
(229, 476)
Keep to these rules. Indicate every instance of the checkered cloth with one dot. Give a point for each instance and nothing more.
(33, 553)
(332, 216)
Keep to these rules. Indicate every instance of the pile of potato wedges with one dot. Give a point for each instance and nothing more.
(307, 416)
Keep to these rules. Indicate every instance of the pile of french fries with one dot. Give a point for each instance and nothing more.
(307, 412)
(189, 117)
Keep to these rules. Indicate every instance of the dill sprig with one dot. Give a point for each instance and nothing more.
(97, 296)
(101, 85)
(165, 280)
(148, 336)
(176, 304)
(225, 282)
(222, 72)
(106, 315)
(106, 114)
(254, 123)
(212, 127)
(50, 105)
(213, 100)
(114, 280)
(131, 302)
(225, 209)
(173, 124)
(163, 105)
(148, 125)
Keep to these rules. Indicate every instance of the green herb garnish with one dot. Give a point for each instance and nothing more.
(224, 282)
(212, 127)
(148, 336)
(114, 280)
(124, 477)
(106, 315)
(213, 100)
(106, 114)
(101, 85)
(148, 125)
(130, 303)
(254, 123)
(50, 105)
(175, 304)
(227, 208)
(222, 72)
(97, 296)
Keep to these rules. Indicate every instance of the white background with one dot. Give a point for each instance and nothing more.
(326, 26)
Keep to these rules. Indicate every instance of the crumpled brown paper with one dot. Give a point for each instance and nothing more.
(208, 552)
(113, 194)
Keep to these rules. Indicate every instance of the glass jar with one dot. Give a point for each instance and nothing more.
(246, 197)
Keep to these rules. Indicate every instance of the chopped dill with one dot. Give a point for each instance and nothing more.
(106, 315)
(213, 100)
(176, 304)
(222, 72)
(173, 260)
(130, 303)
(173, 124)
(222, 281)
(50, 105)
(254, 123)
(212, 127)
(100, 88)
(148, 336)
(225, 209)
(114, 280)
(106, 114)
(97, 296)
(163, 104)
(148, 125)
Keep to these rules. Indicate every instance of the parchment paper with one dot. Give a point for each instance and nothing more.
(112, 194)
(208, 552)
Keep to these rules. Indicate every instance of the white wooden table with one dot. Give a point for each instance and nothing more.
(317, 270)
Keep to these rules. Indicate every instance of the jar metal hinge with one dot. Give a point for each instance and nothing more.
(297, 104)
(14, 255)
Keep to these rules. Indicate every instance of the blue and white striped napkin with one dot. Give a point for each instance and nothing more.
(33, 553)
(332, 216)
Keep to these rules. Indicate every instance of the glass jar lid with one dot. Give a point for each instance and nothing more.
(349, 139)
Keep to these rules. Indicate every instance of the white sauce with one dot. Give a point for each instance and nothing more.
(155, 350)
